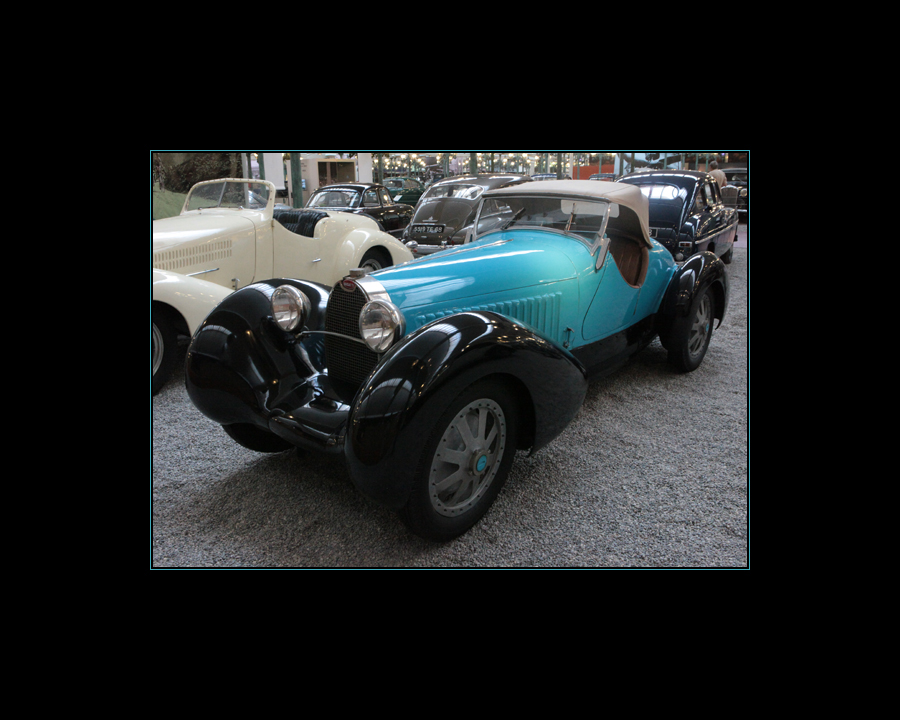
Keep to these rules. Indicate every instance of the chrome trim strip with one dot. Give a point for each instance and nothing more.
(326, 332)
(371, 288)
(201, 272)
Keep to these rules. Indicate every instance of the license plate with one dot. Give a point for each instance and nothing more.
(428, 229)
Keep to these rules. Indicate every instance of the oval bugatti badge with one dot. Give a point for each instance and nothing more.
(348, 284)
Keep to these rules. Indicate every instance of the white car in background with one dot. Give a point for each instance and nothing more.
(180, 304)
(230, 234)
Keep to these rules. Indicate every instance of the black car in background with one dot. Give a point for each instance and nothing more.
(687, 213)
(364, 199)
(736, 192)
(446, 212)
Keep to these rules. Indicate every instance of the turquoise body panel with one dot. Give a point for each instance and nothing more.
(548, 282)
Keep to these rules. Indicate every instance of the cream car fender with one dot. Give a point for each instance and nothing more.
(193, 299)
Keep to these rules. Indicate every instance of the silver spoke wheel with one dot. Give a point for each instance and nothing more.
(700, 327)
(467, 457)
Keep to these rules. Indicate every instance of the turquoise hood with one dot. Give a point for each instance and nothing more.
(537, 271)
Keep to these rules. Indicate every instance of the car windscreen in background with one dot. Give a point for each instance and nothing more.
(666, 203)
(448, 211)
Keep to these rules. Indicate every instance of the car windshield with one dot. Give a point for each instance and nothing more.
(334, 198)
(585, 219)
(228, 195)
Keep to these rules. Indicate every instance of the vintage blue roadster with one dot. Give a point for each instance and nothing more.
(428, 376)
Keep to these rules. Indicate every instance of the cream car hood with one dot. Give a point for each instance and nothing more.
(197, 227)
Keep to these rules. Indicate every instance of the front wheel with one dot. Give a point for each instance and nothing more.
(467, 456)
(691, 335)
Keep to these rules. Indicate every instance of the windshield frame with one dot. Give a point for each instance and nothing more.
(591, 245)
(253, 187)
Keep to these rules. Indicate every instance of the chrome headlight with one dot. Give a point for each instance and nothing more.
(290, 307)
(381, 324)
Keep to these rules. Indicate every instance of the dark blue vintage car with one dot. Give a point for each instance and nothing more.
(428, 376)
(687, 213)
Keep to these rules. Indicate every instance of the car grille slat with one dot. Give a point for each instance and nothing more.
(348, 360)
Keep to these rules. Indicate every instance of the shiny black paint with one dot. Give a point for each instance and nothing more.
(393, 216)
(605, 356)
(241, 368)
(437, 362)
(700, 272)
(707, 227)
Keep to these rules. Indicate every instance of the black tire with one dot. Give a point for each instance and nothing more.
(374, 260)
(252, 438)
(690, 335)
(464, 463)
(163, 349)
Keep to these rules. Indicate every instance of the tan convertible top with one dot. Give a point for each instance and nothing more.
(629, 196)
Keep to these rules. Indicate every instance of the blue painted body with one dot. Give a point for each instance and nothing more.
(543, 279)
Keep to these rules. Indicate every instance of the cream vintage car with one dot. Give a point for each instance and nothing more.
(180, 304)
(230, 234)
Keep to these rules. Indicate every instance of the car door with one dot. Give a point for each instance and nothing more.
(390, 211)
(717, 228)
(703, 215)
(615, 299)
(726, 222)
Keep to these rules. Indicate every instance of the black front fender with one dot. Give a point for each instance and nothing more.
(239, 363)
(392, 415)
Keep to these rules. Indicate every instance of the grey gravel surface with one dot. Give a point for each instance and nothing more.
(652, 473)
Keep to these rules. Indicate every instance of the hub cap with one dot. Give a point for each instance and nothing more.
(700, 327)
(467, 457)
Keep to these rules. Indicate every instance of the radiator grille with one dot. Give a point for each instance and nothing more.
(347, 359)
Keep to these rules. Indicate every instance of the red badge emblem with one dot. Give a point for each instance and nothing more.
(348, 284)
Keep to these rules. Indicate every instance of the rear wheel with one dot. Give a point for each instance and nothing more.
(691, 334)
(464, 464)
(375, 260)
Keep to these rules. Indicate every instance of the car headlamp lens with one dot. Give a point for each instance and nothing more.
(290, 307)
(381, 324)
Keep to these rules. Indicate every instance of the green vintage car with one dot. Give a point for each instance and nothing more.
(406, 190)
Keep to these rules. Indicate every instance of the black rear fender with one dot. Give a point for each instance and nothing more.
(700, 272)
